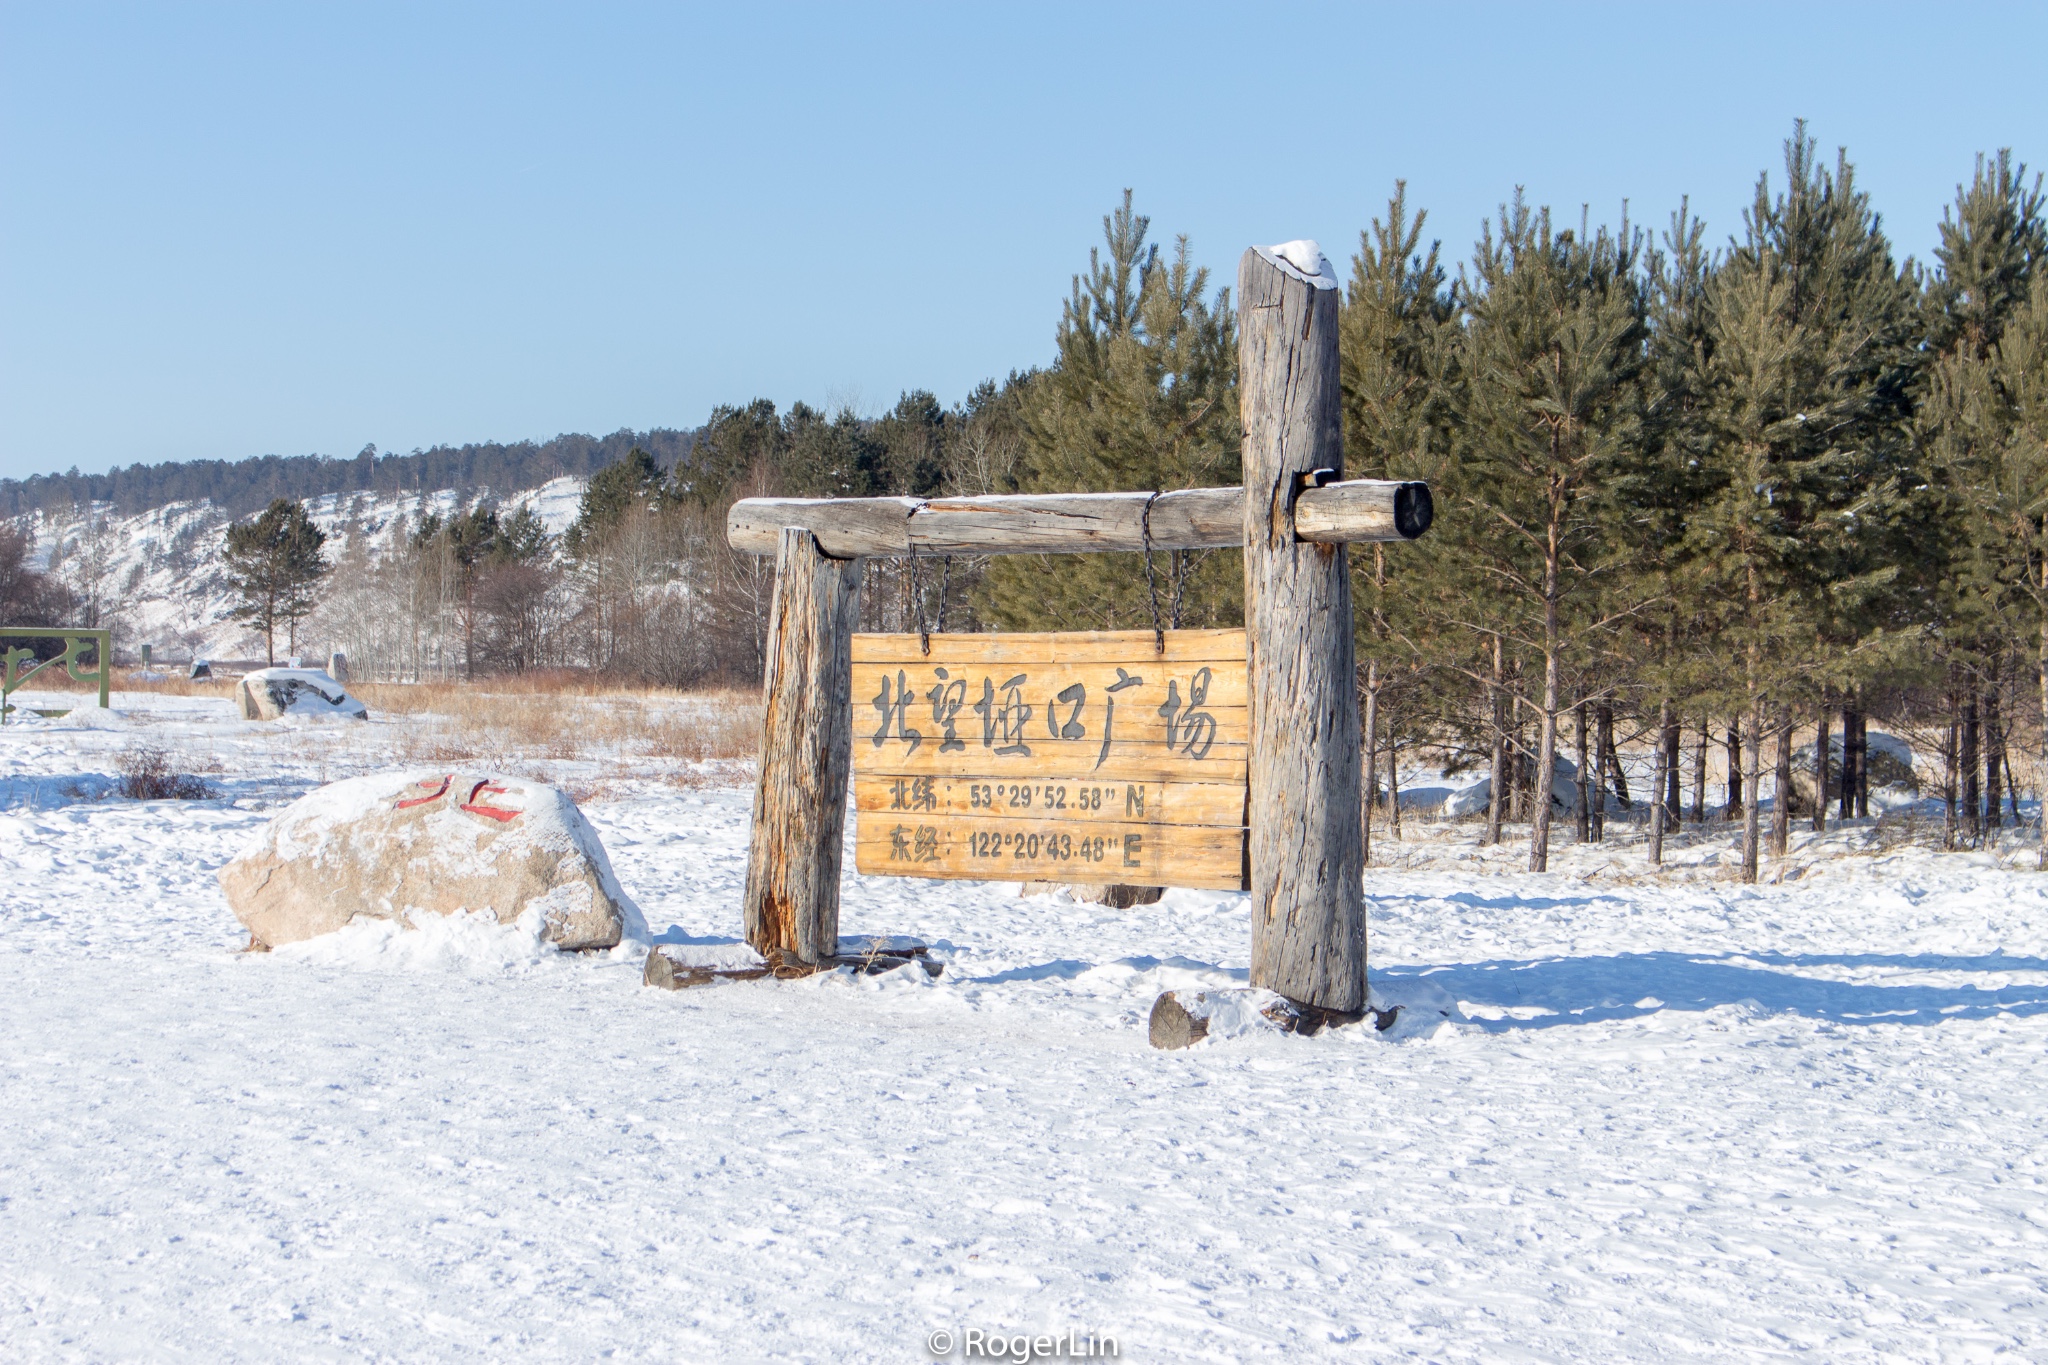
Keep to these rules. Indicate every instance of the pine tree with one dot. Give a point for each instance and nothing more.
(1550, 412)
(1661, 489)
(2022, 360)
(1142, 396)
(1810, 506)
(1970, 431)
(273, 563)
(632, 481)
(1396, 340)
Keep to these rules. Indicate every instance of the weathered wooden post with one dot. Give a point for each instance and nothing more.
(792, 893)
(1308, 903)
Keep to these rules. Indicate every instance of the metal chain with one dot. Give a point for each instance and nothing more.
(1151, 586)
(924, 635)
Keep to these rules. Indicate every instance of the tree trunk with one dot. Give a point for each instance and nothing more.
(791, 902)
(1973, 810)
(1617, 780)
(1673, 790)
(1781, 798)
(1372, 763)
(1394, 791)
(2041, 758)
(1584, 823)
(1754, 771)
(1994, 752)
(1699, 776)
(1862, 763)
(1847, 807)
(1307, 887)
(1950, 834)
(1497, 771)
(1546, 770)
(1546, 751)
(1820, 774)
(1606, 771)
(1660, 782)
(1735, 768)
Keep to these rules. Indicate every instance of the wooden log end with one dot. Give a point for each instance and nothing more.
(1173, 1026)
(1414, 510)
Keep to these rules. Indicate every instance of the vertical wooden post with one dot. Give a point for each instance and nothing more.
(1308, 896)
(792, 895)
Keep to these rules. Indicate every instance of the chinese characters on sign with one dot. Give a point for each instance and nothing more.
(1079, 758)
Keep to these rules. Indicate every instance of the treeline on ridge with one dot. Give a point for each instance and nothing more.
(241, 487)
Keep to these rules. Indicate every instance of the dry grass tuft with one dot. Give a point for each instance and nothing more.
(471, 721)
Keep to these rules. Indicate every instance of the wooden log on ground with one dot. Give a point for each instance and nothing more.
(874, 954)
(791, 903)
(666, 972)
(1065, 523)
(680, 967)
(1115, 895)
(1308, 906)
(1183, 1018)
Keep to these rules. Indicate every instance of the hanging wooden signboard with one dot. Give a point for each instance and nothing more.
(1097, 757)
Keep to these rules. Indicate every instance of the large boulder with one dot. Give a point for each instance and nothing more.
(1474, 799)
(274, 693)
(399, 845)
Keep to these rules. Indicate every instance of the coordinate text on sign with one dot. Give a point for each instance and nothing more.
(1096, 757)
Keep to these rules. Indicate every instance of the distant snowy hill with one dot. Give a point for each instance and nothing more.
(161, 569)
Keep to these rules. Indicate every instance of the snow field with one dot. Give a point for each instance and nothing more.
(1678, 1119)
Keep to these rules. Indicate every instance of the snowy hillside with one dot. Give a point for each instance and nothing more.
(161, 569)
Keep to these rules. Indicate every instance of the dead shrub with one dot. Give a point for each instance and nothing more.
(147, 775)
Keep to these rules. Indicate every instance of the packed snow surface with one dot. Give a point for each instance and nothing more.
(1665, 1118)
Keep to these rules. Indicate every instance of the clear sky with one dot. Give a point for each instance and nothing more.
(291, 228)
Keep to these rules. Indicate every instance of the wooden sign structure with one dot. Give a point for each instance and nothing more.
(1117, 757)
(1280, 694)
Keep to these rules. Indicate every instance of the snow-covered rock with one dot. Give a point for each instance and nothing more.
(397, 846)
(1890, 760)
(1473, 800)
(274, 693)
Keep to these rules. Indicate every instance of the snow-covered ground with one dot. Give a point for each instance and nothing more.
(1679, 1118)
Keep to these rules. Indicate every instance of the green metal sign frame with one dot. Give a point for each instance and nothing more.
(76, 642)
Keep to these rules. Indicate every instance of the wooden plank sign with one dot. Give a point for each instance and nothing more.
(1096, 757)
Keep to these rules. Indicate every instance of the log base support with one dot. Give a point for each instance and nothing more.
(1115, 895)
(866, 957)
(1182, 1018)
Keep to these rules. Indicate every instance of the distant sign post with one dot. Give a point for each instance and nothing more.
(18, 665)
(1100, 758)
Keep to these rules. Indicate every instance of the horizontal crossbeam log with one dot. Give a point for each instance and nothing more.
(1073, 523)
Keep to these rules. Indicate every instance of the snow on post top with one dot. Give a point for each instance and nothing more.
(1302, 259)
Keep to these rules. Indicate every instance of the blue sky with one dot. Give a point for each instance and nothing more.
(234, 230)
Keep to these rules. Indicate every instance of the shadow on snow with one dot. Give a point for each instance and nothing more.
(1578, 990)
